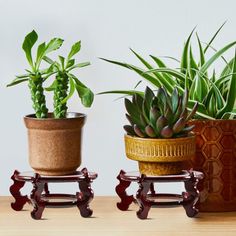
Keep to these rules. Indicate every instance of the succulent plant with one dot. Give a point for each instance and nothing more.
(65, 80)
(160, 115)
(35, 76)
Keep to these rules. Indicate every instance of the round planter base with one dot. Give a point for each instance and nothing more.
(160, 168)
(54, 173)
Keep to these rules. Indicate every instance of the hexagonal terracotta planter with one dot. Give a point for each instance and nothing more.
(55, 144)
(216, 157)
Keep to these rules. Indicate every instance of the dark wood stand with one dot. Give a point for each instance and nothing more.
(40, 196)
(146, 196)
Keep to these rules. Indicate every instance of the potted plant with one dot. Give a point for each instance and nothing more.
(158, 136)
(215, 123)
(54, 138)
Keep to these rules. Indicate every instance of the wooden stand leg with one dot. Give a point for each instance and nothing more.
(15, 192)
(85, 196)
(191, 196)
(152, 189)
(126, 200)
(144, 204)
(35, 198)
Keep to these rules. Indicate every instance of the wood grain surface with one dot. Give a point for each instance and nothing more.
(108, 220)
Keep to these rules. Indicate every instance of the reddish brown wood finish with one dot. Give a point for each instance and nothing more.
(40, 196)
(147, 197)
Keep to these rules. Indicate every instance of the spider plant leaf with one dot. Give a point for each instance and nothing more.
(167, 77)
(228, 68)
(192, 67)
(208, 63)
(139, 71)
(201, 52)
(141, 59)
(17, 81)
(74, 50)
(126, 92)
(219, 98)
(184, 59)
(29, 41)
(214, 36)
(231, 96)
(201, 110)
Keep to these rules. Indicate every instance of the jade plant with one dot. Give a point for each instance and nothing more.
(64, 80)
(159, 115)
(215, 93)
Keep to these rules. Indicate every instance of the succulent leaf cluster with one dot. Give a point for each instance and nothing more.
(159, 115)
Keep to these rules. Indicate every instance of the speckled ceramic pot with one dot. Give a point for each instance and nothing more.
(55, 144)
(160, 156)
(216, 158)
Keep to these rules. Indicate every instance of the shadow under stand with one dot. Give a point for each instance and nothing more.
(41, 197)
(146, 196)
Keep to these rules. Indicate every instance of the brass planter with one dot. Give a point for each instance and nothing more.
(216, 157)
(160, 156)
(55, 144)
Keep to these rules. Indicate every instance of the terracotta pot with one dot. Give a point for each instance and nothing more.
(160, 156)
(55, 144)
(216, 157)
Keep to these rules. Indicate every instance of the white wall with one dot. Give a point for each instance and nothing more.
(107, 29)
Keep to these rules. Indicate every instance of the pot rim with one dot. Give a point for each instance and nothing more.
(190, 136)
(215, 120)
(70, 115)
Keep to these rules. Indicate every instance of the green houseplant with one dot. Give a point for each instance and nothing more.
(54, 138)
(158, 136)
(215, 126)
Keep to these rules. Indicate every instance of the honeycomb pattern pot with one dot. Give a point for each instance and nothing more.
(216, 158)
(160, 156)
(55, 144)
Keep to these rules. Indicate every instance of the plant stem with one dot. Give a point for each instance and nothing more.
(60, 93)
(37, 96)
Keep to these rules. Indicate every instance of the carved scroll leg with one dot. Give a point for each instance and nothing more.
(35, 198)
(15, 192)
(191, 196)
(126, 200)
(144, 204)
(85, 196)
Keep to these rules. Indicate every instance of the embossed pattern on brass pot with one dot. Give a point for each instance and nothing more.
(160, 156)
(216, 157)
(55, 144)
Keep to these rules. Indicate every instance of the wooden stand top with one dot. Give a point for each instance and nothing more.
(135, 176)
(29, 176)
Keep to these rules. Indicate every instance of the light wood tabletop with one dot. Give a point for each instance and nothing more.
(108, 220)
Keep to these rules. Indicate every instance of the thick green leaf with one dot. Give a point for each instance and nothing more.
(85, 94)
(17, 81)
(53, 45)
(29, 41)
(48, 60)
(71, 92)
(70, 63)
(52, 86)
(79, 65)
(62, 61)
(40, 53)
(74, 50)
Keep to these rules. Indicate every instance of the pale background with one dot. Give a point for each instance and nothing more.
(107, 29)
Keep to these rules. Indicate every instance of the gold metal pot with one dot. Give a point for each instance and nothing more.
(160, 156)
(55, 144)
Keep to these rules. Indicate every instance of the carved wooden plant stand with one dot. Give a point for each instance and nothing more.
(146, 196)
(40, 196)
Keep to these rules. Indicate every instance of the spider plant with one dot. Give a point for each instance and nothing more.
(36, 76)
(214, 93)
(65, 80)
